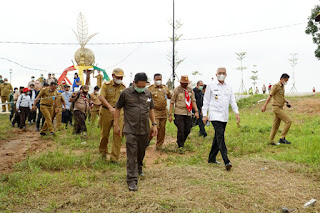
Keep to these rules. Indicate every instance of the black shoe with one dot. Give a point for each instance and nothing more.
(30, 122)
(284, 141)
(132, 187)
(274, 144)
(12, 125)
(52, 133)
(215, 162)
(141, 174)
(43, 133)
(38, 130)
(180, 150)
(228, 166)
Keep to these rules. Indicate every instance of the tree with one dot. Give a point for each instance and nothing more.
(177, 60)
(240, 57)
(194, 76)
(293, 62)
(254, 76)
(313, 30)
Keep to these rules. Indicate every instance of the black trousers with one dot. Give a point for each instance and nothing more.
(136, 149)
(32, 116)
(183, 123)
(79, 122)
(200, 124)
(218, 142)
(67, 117)
(24, 112)
(16, 118)
(39, 118)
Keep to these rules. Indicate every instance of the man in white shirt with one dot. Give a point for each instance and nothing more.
(23, 107)
(32, 114)
(218, 97)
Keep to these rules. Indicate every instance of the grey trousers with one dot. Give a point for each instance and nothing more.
(136, 148)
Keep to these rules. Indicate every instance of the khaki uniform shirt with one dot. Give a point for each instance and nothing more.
(160, 95)
(82, 103)
(59, 100)
(136, 110)
(99, 80)
(111, 92)
(178, 99)
(47, 96)
(40, 79)
(277, 93)
(6, 89)
(95, 100)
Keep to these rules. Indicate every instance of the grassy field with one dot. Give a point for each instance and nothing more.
(71, 176)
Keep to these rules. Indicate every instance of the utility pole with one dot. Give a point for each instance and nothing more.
(173, 50)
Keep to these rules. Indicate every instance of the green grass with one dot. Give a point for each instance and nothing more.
(73, 177)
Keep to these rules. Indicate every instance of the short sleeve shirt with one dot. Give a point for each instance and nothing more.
(111, 92)
(59, 100)
(47, 96)
(178, 99)
(160, 95)
(136, 110)
(277, 93)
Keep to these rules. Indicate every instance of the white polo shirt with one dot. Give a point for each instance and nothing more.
(216, 101)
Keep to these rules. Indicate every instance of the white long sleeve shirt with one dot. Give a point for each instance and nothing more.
(216, 101)
(24, 101)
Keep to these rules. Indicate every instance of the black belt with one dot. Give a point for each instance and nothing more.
(106, 107)
(45, 105)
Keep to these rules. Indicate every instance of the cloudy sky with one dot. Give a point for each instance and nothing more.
(147, 20)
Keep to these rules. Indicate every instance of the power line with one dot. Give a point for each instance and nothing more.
(125, 57)
(156, 41)
(22, 65)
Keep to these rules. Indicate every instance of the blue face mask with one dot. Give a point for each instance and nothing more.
(140, 90)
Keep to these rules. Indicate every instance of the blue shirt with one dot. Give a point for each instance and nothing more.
(66, 96)
(75, 81)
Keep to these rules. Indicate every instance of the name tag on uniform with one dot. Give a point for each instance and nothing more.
(148, 100)
(110, 90)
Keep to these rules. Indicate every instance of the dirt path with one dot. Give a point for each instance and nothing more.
(19, 146)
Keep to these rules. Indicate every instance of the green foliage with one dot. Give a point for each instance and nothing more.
(313, 29)
(251, 101)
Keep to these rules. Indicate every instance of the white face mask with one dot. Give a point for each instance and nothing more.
(284, 83)
(221, 77)
(117, 81)
(32, 79)
(158, 83)
(6, 82)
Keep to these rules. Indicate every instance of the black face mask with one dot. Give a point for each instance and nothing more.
(184, 85)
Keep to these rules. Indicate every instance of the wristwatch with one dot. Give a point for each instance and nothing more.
(154, 124)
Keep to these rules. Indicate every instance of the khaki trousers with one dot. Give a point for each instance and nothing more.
(279, 115)
(58, 116)
(161, 131)
(47, 113)
(106, 123)
(5, 99)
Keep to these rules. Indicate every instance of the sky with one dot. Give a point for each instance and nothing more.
(148, 20)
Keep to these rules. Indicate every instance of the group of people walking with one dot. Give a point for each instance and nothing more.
(129, 112)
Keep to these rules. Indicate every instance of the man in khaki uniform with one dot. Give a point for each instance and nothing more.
(109, 95)
(6, 89)
(160, 94)
(99, 78)
(57, 110)
(47, 96)
(183, 101)
(40, 79)
(96, 104)
(278, 101)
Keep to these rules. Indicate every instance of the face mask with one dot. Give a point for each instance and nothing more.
(284, 83)
(158, 83)
(184, 85)
(0, 79)
(32, 79)
(15, 91)
(221, 77)
(200, 88)
(140, 90)
(6, 82)
(117, 81)
(95, 92)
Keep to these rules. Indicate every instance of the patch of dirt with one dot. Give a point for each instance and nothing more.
(308, 105)
(17, 148)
